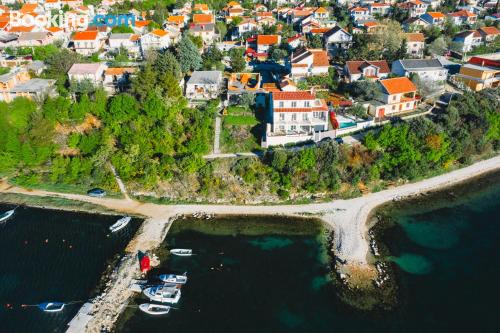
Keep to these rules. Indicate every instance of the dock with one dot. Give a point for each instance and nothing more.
(82, 318)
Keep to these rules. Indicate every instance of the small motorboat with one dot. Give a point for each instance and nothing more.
(154, 309)
(163, 294)
(120, 224)
(173, 278)
(51, 306)
(182, 252)
(5, 216)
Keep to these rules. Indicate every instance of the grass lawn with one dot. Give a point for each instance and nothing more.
(241, 131)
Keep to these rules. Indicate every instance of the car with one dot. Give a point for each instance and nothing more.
(97, 192)
(339, 140)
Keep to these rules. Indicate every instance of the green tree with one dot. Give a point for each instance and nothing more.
(188, 55)
(238, 63)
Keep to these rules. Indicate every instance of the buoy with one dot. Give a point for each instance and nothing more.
(46, 241)
(71, 246)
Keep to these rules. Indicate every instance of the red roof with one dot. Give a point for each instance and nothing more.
(356, 67)
(484, 62)
(293, 95)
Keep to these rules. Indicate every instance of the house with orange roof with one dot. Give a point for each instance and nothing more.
(415, 8)
(398, 95)
(434, 18)
(308, 62)
(381, 9)
(202, 8)
(157, 39)
(294, 116)
(360, 13)
(178, 20)
(489, 34)
(203, 18)
(264, 42)
(415, 44)
(117, 79)
(86, 42)
(321, 13)
(141, 26)
(370, 27)
(463, 17)
(239, 83)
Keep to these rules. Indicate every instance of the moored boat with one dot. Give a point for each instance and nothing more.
(173, 278)
(163, 294)
(51, 306)
(154, 309)
(182, 252)
(120, 224)
(5, 216)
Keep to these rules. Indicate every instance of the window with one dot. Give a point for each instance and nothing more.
(294, 117)
(282, 128)
(306, 104)
(393, 107)
(315, 114)
(305, 117)
(294, 104)
(281, 104)
(282, 116)
(407, 105)
(394, 97)
(293, 128)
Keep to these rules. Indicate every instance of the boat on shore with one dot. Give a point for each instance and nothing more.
(120, 224)
(51, 306)
(163, 294)
(154, 309)
(182, 252)
(6, 215)
(173, 278)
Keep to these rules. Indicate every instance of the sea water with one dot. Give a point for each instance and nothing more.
(50, 255)
(445, 251)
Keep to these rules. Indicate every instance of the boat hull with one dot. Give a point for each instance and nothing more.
(154, 309)
(161, 294)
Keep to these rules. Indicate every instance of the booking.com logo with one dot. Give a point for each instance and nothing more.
(69, 20)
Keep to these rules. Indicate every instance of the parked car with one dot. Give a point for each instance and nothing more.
(97, 192)
(339, 140)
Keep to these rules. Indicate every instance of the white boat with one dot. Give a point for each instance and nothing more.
(120, 224)
(173, 278)
(163, 294)
(51, 306)
(5, 216)
(154, 309)
(182, 252)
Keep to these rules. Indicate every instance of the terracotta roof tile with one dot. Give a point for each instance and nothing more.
(203, 18)
(293, 96)
(268, 39)
(415, 37)
(398, 85)
(85, 35)
(436, 14)
(355, 67)
(490, 30)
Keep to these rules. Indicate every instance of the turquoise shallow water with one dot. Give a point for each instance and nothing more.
(446, 258)
(52, 255)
